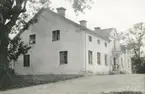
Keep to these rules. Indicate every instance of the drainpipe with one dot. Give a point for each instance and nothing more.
(85, 53)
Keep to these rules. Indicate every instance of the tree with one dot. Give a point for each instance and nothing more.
(133, 40)
(17, 16)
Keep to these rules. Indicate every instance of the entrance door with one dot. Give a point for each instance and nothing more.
(114, 61)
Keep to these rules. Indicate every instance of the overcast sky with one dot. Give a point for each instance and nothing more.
(121, 14)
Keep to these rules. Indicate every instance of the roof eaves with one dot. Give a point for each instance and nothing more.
(72, 22)
(78, 25)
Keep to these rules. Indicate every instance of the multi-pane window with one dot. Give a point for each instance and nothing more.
(90, 38)
(26, 62)
(98, 58)
(105, 57)
(105, 44)
(98, 41)
(32, 39)
(55, 35)
(63, 57)
(114, 59)
(90, 57)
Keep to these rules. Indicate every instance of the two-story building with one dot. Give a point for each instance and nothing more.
(61, 46)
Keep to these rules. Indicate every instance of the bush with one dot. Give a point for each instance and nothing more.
(111, 72)
(139, 65)
(122, 72)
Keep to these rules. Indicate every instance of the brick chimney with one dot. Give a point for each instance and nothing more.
(61, 11)
(97, 28)
(83, 23)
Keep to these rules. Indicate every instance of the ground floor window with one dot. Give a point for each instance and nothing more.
(98, 58)
(105, 57)
(90, 57)
(114, 61)
(26, 60)
(63, 57)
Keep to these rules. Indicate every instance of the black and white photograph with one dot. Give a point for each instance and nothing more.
(72, 46)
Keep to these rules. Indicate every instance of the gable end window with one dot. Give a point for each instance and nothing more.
(26, 62)
(63, 57)
(55, 35)
(90, 38)
(98, 41)
(32, 39)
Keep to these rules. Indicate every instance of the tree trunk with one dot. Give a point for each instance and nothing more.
(3, 54)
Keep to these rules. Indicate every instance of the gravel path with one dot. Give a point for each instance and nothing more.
(87, 85)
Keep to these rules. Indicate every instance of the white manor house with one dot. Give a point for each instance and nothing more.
(61, 46)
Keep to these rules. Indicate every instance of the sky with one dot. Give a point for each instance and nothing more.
(119, 14)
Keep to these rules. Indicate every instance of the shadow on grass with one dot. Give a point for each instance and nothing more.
(32, 80)
(125, 92)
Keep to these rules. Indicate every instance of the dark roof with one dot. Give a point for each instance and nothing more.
(104, 33)
(82, 27)
(98, 33)
(108, 30)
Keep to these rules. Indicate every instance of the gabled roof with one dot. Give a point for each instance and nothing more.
(99, 33)
(107, 32)
(108, 29)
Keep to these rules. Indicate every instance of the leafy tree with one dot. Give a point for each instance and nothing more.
(133, 40)
(16, 16)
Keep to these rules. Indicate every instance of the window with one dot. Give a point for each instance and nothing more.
(90, 38)
(98, 41)
(105, 57)
(26, 59)
(114, 61)
(32, 39)
(105, 44)
(90, 57)
(63, 57)
(55, 35)
(98, 58)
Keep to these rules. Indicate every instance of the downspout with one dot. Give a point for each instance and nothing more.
(85, 52)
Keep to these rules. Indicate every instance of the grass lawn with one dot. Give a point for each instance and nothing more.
(31, 80)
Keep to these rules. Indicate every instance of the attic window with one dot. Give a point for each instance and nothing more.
(56, 35)
(32, 39)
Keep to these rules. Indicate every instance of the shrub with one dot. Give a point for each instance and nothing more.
(122, 72)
